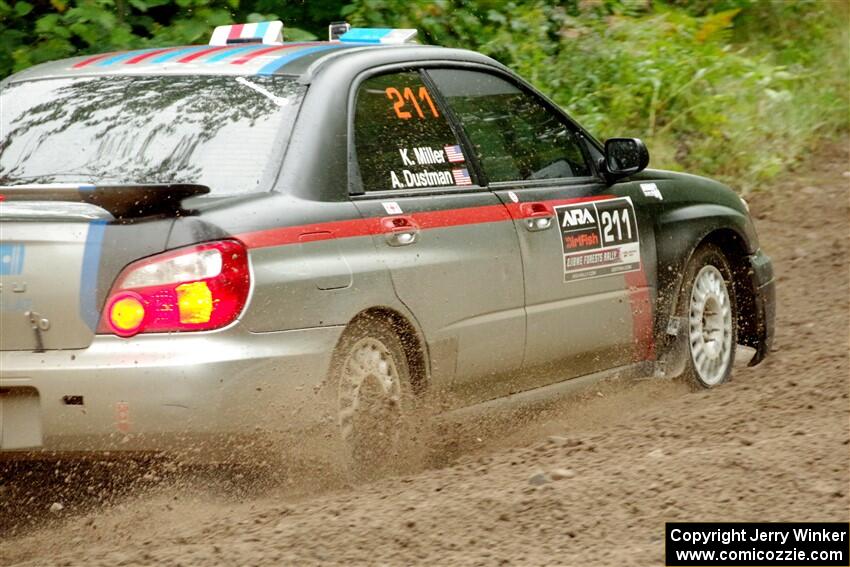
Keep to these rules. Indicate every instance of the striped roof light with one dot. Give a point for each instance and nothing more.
(379, 35)
(261, 32)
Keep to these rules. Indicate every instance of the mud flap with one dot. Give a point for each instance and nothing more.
(673, 355)
(765, 315)
(763, 284)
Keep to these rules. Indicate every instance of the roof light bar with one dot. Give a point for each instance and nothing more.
(337, 29)
(379, 35)
(261, 32)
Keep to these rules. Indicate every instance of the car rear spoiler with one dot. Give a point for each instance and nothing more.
(122, 201)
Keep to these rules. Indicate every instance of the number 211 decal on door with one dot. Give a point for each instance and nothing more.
(599, 238)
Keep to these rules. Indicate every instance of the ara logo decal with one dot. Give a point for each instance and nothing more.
(577, 217)
(599, 239)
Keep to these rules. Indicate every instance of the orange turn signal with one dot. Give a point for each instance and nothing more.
(126, 314)
(195, 302)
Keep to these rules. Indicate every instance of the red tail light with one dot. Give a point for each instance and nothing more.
(198, 288)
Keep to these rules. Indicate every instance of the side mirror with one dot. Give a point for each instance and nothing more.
(624, 157)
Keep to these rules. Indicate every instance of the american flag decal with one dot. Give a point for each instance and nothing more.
(454, 154)
(461, 177)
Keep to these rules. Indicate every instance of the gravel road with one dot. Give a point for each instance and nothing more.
(589, 482)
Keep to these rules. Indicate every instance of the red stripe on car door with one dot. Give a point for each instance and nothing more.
(290, 234)
(366, 227)
(459, 217)
(514, 208)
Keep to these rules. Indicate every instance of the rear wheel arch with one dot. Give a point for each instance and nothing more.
(411, 340)
(371, 390)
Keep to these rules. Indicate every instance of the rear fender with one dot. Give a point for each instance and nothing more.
(112, 246)
(120, 244)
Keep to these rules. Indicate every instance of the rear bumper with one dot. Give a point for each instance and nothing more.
(161, 392)
(764, 285)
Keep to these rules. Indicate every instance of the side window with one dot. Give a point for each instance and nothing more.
(515, 135)
(402, 137)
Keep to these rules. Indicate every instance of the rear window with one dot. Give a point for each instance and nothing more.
(223, 132)
(403, 139)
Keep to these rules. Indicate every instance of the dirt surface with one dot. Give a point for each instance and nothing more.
(772, 445)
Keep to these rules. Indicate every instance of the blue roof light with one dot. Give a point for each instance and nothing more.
(379, 35)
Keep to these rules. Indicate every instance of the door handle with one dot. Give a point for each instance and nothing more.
(400, 230)
(537, 216)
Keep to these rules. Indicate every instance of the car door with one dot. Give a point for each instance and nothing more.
(583, 243)
(449, 243)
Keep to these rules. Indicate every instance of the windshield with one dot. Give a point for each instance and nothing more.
(223, 132)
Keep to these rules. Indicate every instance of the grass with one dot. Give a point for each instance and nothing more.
(739, 90)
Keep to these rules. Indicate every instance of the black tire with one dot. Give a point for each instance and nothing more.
(704, 370)
(372, 420)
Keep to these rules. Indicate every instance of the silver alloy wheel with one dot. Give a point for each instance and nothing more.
(369, 381)
(710, 326)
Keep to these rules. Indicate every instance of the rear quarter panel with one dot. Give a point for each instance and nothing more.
(314, 263)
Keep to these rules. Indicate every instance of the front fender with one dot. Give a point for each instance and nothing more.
(680, 230)
(694, 210)
(678, 234)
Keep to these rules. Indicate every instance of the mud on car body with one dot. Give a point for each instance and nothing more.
(196, 240)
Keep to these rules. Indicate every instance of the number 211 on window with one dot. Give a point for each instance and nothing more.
(402, 98)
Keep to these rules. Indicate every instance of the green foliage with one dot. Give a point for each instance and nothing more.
(70, 28)
(737, 89)
(35, 32)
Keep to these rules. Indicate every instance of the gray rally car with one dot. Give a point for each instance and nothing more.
(202, 242)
